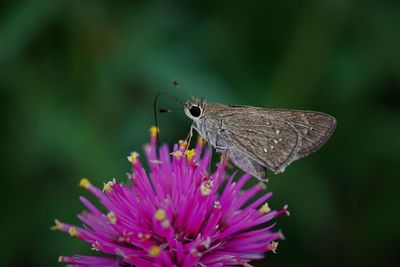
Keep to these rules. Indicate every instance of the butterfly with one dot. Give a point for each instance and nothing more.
(256, 139)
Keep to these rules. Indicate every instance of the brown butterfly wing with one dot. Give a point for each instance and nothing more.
(272, 137)
(314, 128)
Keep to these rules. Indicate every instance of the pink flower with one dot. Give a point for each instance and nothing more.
(177, 215)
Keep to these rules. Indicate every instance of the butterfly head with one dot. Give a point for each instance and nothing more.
(194, 108)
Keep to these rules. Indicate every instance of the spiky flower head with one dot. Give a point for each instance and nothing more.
(175, 215)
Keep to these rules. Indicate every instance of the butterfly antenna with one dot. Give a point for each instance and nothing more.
(167, 110)
(155, 119)
(177, 85)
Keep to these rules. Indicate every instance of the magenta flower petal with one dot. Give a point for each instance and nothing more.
(175, 215)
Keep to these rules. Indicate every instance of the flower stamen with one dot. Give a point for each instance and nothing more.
(85, 183)
(165, 224)
(265, 208)
(285, 208)
(144, 237)
(177, 154)
(196, 253)
(154, 251)
(273, 246)
(160, 215)
(133, 157)
(126, 236)
(96, 246)
(154, 131)
(112, 217)
(206, 187)
(73, 231)
(190, 153)
(109, 185)
(57, 225)
(182, 144)
(217, 204)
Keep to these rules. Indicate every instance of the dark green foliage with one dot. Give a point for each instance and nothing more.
(78, 79)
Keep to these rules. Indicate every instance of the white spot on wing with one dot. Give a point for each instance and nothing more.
(304, 117)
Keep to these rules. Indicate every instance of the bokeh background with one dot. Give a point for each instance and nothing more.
(78, 80)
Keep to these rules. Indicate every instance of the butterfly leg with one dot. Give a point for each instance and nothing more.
(224, 153)
(189, 136)
(209, 162)
(225, 157)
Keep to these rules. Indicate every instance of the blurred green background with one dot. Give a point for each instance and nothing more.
(78, 79)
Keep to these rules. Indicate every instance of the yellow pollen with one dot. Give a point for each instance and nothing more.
(223, 158)
(57, 225)
(84, 182)
(133, 157)
(154, 251)
(182, 143)
(160, 215)
(265, 208)
(177, 154)
(190, 153)
(109, 186)
(200, 140)
(73, 231)
(112, 217)
(273, 246)
(205, 188)
(154, 131)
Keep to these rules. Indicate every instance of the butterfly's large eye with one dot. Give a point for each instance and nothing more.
(195, 111)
